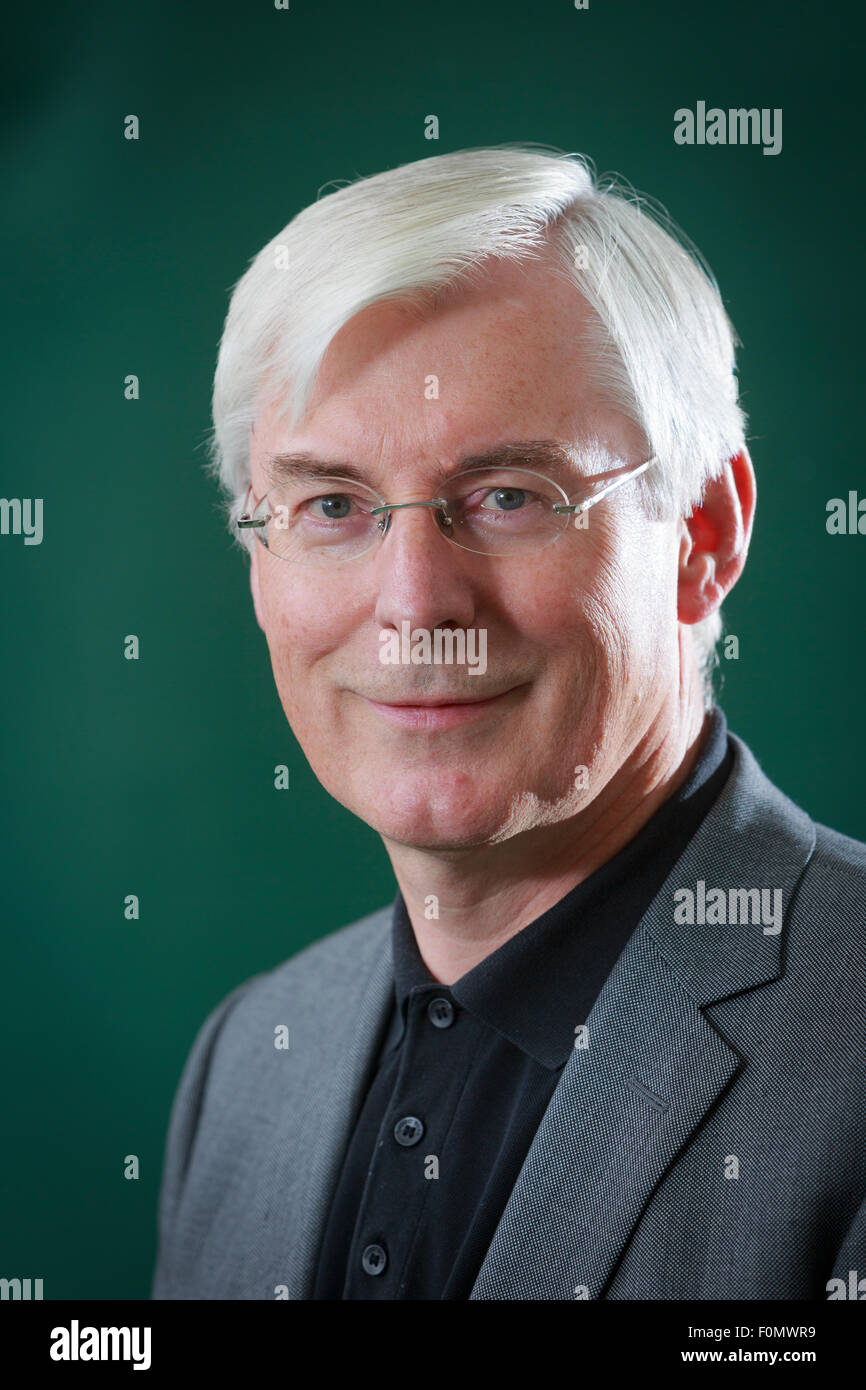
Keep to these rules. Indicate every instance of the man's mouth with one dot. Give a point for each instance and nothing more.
(437, 711)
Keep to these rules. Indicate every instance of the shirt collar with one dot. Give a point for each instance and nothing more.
(526, 989)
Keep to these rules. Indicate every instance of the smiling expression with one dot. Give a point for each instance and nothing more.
(581, 637)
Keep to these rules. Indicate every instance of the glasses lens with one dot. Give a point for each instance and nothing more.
(320, 523)
(503, 511)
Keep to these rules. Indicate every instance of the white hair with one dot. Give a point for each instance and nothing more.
(662, 344)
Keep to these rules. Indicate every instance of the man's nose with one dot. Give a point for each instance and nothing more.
(422, 576)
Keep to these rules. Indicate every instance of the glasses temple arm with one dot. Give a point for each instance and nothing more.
(604, 491)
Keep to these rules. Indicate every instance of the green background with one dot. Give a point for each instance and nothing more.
(155, 777)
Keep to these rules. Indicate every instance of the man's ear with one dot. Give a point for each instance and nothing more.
(715, 540)
(254, 585)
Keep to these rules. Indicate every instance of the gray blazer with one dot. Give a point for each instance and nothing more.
(706, 1140)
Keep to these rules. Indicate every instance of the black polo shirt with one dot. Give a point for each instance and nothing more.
(467, 1071)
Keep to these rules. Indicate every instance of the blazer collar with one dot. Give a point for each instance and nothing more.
(754, 838)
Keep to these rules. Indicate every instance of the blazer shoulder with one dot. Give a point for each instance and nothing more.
(839, 854)
(827, 927)
(325, 972)
(835, 879)
(834, 885)
(333, 962)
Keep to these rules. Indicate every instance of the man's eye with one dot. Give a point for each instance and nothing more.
(334, 507)
(505, 499)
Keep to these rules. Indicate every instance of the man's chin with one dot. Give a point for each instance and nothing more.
(433, 813)
(441, 840)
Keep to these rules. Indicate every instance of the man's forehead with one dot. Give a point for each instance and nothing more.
(481, 340)
(537, 301)
(399, 404)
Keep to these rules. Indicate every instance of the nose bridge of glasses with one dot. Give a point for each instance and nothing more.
(437, 503)
(435, 507)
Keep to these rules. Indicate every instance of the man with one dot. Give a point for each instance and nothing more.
(608, 1041)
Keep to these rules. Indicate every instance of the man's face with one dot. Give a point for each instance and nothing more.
(581, 637)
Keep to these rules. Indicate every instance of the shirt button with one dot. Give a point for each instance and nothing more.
(440, 1013)
(374, 1259)
(408, 1130)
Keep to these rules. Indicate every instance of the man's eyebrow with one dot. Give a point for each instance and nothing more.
(539, 454)
(307, 468)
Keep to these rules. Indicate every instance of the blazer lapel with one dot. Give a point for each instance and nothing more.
(627, 1103)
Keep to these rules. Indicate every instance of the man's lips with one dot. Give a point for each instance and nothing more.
(436, 712)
